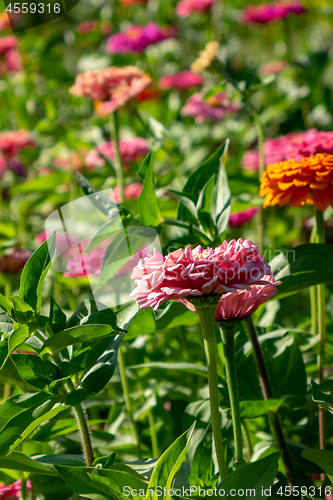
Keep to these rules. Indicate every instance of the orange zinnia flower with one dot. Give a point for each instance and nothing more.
(309, 180)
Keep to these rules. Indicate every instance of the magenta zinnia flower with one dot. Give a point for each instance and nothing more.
(137, 38)
(183, 80)
(130, 151)
(214, 108)
(186, 7)
(13, 491)
(198, 273)
(111, 88)
(296, 146)
(238, 218)
(270, 12)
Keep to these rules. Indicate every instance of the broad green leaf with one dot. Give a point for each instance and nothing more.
(91, 312)
(18, 337)
(100, 374)
(221, 197)
(185, 367)
(102, 204)
(144, 167)
(188, 200)
(105, 462)
(57, 317)
(254, 409)
(253, 476)
(323, 458)
(5, 304)
(170, 462)
(103, 484)
(17, 414)
(318, 396)
(34, 370)
(198, 179)
(75, 335)
(54, 429)
(148, 206)
(303, 267)
(22, 312)
(145, 321)
(6, 323)
(34, 272)
(21, 462)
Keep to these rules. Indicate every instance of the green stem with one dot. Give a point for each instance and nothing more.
(313, 309)
(260, 136)
(267, 393)
(85, 434)
(320, 238)
(227, 333)
(114, 127)
(153, 435)
(207, 320)
(247, 438)
(23, 489)
(126, 391)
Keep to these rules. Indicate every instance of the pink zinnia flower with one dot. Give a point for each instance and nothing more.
(295, 145)
(8, 43)
(186, 7)
(214, 108)
(87, 264)
(269, 12)
(10, 56)
(137, 38)
(130, 151)
(243, 303)
(198, 273)
(273, 68)
(181, 81)
(131, 191)
(238, 218)
(12, 142)
(111, 87)
(14, 262)
(13, 491)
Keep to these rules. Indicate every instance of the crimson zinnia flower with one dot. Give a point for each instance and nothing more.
(270, 12)
(130, 151)
(186, 7)
(198, 273)
(183, 80)
(137, 38)
(110, 88)
(13, 491)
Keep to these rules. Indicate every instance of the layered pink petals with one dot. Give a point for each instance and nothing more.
(296, 146)
(13, 491)
(186, 272)
(183, 80)
(186, 7)
(270, 12)
(111, 88)
(212, 109)
(137, 38)
(243, 303)
(130, 151)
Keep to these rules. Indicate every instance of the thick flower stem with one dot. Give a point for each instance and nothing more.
(267, 393)
(126, 391)
(320, 238)
(85, 434)
(114, 127)
(227, 333)
(207, 320)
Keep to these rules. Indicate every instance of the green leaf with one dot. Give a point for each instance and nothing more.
(105, 462)
(103, 484)
(18, 413)
(148, 206)
(34, 272)
(6, 324)
(323, 458)
(100, 374)
(184, 367)
(57, 317)
(188, 200)
(21, 462)
(18, 337)
(91, 312)
(22, 311)
(198, 179)
(145, 321)
(318, 396)
(221, 198)
(34, 371)
(254, 409)
(145, 166)
(5, 304)
(254, 477)
(305, 266)
(44, 184)
(102, 204)
(75, 335)
(170, 462)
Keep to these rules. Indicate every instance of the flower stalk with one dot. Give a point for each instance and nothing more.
(114, 128)
(207, 320)
(267, 393)
(227, 333)
(320, 238)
